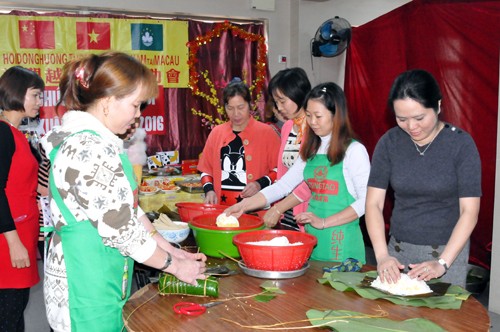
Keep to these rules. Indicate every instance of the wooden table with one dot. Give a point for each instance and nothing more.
(152, 312)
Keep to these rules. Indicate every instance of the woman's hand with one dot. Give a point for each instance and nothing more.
(187, 270)
(236, 210)
(271, 217)
(210, 198)
(426, 270)
(183, 254)
(388, 269)
(250, 189)
(19, 257)
(310, 218)
(248, 204)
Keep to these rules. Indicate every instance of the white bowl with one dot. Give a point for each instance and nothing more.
(176, 235)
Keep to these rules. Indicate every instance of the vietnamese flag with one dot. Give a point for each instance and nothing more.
(93, 36)
(36, 34)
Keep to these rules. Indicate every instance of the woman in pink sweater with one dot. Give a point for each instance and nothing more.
(288, 89)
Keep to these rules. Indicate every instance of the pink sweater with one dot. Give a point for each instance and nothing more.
(302, 190)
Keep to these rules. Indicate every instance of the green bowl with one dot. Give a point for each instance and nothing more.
(213, 242)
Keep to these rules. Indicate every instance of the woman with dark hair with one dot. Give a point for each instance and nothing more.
(99, 229)
(434, 170)
(273, 117)
(288, 89)
(239, 157)
(20, 97)
(335, 167)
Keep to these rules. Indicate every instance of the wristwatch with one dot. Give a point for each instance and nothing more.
(443, 262)
(168, 261)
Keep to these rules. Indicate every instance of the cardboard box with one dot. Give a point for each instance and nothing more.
(154, 162)
(189, 166)
(163, 158)
(169, 157)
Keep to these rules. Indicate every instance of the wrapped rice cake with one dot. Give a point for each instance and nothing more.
(226, 221)
(405, 286)
(170, 285)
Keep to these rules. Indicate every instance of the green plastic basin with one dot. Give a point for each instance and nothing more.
(213, 242)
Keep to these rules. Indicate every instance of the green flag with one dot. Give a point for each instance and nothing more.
(148, 37)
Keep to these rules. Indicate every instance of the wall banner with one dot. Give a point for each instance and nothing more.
(45, 43)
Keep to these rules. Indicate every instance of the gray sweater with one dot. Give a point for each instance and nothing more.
(426, 188)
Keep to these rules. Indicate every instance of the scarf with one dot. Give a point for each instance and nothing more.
(299, 122)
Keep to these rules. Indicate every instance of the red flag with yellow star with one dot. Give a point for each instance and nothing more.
(93, 36)
(36, 34)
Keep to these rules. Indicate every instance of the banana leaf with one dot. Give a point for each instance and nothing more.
(351, 321)
(353, 281)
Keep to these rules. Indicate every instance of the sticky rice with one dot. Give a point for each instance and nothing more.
(226, 221)
(281, 241)
(405, 286)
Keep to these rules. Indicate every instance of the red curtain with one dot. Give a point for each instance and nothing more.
(458, 42)
(225, 57)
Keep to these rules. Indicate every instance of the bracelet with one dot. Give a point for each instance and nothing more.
(168, 261)
(443, 263)
(323, 223)
(277, 210)
(153, 232)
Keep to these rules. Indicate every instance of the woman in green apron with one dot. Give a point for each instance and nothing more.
(99, 230)
(336, 169)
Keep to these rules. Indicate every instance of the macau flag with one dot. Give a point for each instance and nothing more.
(36, 34)
(146, 37)
(92, 36)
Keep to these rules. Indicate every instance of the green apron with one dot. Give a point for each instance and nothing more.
(99, 277)
(330, 196)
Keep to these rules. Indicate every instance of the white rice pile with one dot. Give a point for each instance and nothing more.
(226, 221)
(405, 286)
(281, 241)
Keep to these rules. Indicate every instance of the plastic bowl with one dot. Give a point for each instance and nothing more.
(176, 235)
(275, 258)
(188, 210)
(219, 242)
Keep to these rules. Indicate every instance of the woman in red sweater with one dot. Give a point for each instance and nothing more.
(20, 97)
(239, 157)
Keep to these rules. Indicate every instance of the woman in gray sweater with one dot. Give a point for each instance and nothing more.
(435, 171)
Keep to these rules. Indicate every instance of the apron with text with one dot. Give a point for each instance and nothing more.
(330, 196)
(99, 277)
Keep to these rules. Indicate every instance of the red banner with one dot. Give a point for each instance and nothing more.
(153, 118)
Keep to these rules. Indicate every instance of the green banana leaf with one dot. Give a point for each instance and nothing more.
(351, 321)
(353, 281)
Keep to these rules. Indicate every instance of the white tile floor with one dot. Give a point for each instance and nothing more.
(36, 320)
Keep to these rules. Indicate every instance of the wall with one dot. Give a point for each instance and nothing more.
(494, 296)
(312, 14)
(290, 26)
(279, 20)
